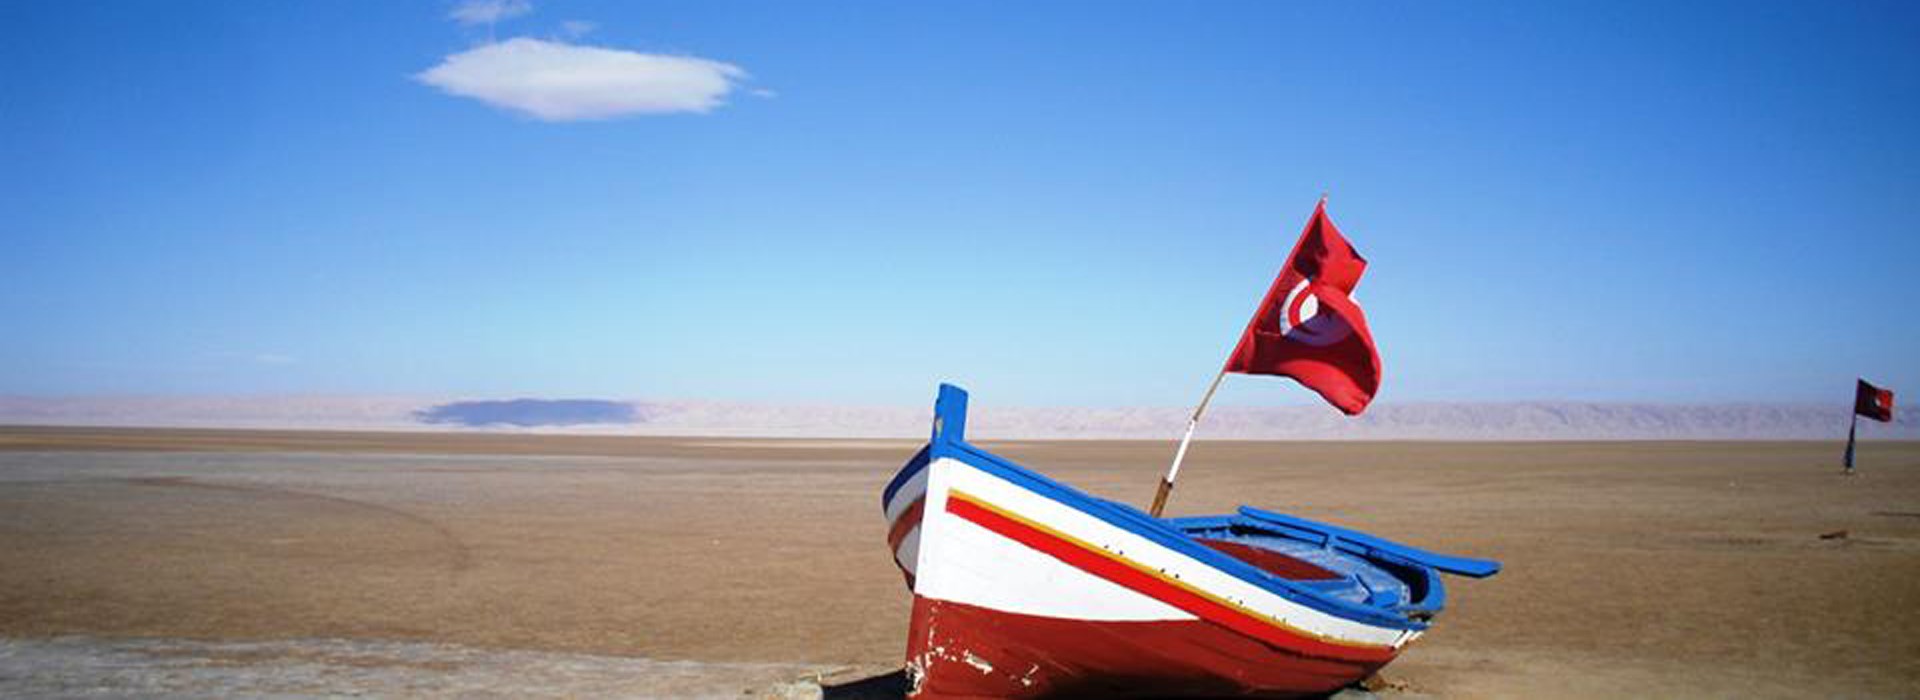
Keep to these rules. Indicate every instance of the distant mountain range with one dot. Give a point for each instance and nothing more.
(1532, 420)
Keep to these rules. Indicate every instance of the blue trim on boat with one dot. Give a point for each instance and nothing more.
(913, 466)
(950, 415)
(950, 422)
(1201, 522)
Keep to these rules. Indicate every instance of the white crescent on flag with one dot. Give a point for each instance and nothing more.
(1301, 321)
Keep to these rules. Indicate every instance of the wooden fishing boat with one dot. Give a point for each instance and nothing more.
(1024, 587)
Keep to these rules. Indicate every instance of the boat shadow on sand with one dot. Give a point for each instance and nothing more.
(886, 686)
(893, 686)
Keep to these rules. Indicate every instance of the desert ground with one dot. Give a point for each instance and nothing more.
(149, 562)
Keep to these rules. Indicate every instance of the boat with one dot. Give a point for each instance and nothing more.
(1024, 587)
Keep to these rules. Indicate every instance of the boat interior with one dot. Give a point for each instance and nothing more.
(1342, 564)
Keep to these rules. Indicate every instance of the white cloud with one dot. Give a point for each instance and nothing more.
(557, 81)
(575, 28)
(472, 12)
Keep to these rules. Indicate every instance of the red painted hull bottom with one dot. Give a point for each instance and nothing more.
(956, 650)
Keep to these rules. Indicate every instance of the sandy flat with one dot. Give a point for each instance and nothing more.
(1669, 569)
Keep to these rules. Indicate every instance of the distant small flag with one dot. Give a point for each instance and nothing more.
(1873, 402)
(1309, 327)
(1870, 401)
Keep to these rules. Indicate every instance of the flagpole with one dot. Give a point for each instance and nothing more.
(1166, 484)
(1851, 429)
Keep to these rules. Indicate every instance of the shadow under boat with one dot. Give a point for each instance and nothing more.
(893, 686)
(886, 686)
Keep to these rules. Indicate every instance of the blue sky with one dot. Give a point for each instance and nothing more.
(1053, 203)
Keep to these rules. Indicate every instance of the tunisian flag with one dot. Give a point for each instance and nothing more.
(1873, 402)
(1309, 327)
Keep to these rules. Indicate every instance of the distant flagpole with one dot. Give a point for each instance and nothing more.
(1166, 484)
(1851, 429)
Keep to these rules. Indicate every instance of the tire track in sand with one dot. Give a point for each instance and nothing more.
(458, 554)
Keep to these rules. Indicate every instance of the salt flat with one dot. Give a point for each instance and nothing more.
(1633, 568)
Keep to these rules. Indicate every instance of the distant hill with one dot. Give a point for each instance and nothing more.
(1537, 420)
(530, 413)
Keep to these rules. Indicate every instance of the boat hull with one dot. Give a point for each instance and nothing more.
(967, 651)
(1018, 594)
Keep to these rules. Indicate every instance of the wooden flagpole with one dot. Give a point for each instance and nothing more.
(1166, 484)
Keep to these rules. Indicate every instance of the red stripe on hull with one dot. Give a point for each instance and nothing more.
(1100, 564)
(956, 651)
(904, 524)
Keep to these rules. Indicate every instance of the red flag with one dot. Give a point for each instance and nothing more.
(1873, 402)
(1309, 327)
